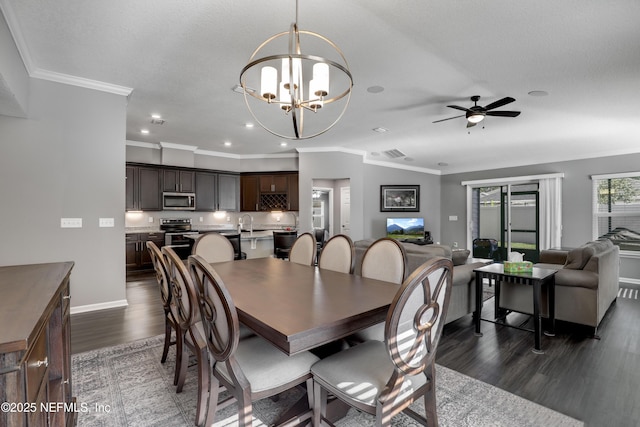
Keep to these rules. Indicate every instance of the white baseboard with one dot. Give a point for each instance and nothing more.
(629, 280)
(99, 306)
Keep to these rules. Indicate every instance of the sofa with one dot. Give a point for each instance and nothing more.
(587, 283)
(463, 293)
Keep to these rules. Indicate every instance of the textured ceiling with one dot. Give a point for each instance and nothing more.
(182, 58)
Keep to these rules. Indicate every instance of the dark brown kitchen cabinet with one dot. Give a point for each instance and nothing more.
(143, 189)
(273, 183)
(249, 193)
(270, 191)
(35, 345)
(292, 192)
(178, 180)
(137, 257)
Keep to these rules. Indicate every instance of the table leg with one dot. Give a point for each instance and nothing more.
(551, 292)
(537, 320)
(478, 312)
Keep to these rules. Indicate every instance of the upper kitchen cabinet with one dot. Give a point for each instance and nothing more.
(217, 192)
(268, 192)
(143, 189)
(228, 192)
(178, 180)
(273, 184)
(249, 192)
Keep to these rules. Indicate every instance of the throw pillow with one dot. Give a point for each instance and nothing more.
(577, 258)
(459, 256)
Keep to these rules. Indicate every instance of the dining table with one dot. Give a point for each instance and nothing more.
(300, 307)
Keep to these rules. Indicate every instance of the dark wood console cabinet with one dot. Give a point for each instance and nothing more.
(35, 349)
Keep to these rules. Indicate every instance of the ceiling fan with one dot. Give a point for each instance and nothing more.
(477, 113)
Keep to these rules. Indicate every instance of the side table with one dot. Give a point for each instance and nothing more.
(536, 278)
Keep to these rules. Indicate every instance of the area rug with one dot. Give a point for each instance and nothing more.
(126, 385)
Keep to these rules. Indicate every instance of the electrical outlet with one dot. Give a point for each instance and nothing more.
(455, 244)
(70, 222)
(201, 219)
(106, 222)
(150, 219)
(453, 217)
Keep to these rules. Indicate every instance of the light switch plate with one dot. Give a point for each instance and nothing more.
(70, 222)
(453, 217)
(106, 222)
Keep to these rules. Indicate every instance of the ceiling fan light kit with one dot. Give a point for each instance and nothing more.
(307, 83)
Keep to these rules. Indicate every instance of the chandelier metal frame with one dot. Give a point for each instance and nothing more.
(298, 105)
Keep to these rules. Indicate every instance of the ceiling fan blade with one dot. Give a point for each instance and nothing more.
(458, 108)
(449, 118)
(499, 103)
(503, 113)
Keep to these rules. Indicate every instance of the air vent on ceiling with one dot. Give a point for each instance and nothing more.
(394, 154)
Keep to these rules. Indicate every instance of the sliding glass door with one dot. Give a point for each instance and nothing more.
(505, 219)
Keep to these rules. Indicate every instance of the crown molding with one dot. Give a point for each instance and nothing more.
(39, 73)
(53, 76)
(143, 144)
(175, 146)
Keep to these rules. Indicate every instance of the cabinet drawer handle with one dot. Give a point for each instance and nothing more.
(44, 362)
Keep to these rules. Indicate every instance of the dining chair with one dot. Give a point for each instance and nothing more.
(236, 242)
(338, 254)
(385, 259)
(384, 378)
(191, 337)
(303, 250)
(282, 242)
(250, 369)
(214, 247)
(162, 276)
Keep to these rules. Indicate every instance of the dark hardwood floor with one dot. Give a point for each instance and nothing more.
(594, 380)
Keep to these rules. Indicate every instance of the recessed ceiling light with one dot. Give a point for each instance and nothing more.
(375, 89)
(156, 116)
(248, 125)
(380, 130)
(538, 93)
(238, 89)
(227, 144)
(443, 164)
(144, 131)
(283, 144)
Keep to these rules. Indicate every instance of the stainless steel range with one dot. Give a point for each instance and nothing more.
(176, 232)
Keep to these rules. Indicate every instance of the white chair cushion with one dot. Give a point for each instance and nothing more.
(265, 366)
(336, 256)
(360, 372)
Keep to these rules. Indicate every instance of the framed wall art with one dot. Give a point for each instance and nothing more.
(399, 198)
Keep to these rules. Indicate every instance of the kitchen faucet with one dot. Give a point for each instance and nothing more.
(250, 222)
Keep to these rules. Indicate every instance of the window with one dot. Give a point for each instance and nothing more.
(616, 209)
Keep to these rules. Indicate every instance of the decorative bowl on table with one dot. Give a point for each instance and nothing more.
(518, 266)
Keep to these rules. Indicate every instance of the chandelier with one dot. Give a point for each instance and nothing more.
(311, 90)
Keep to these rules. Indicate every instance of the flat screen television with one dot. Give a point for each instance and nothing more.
(405, 228)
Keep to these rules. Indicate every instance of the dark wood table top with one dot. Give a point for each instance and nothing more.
(299, 307)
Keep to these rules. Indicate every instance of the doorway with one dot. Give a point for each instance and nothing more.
(507, 217)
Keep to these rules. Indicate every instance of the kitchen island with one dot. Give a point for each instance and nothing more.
(256, 244)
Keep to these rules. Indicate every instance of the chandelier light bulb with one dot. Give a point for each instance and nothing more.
(269, 83)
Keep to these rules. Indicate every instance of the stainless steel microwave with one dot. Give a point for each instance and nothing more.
(179, 201)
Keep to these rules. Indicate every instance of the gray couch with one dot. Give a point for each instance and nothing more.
(587, 282)
(463, 294)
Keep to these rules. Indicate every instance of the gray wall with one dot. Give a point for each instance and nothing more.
(576, 195)
(66, 160)
(376, 221)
